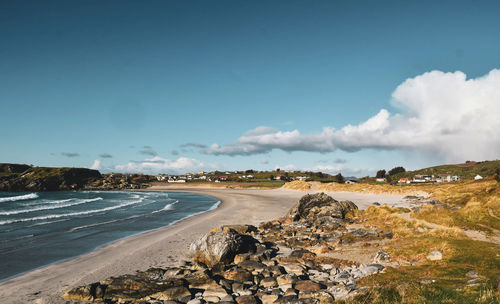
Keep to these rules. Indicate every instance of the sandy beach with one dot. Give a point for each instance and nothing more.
(165, 246)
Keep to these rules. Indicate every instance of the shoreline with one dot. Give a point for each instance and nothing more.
(164, 246)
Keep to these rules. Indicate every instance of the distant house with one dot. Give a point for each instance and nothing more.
(445, 177)
(403, 180)
(455, 178)
(478, 177)
(301, 178)
(278, 177)
(380, 179)
(351, 182)
(249, 176)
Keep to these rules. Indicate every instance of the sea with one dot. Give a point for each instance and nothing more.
(39, 229)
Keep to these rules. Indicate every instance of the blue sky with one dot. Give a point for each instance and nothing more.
(128, 83)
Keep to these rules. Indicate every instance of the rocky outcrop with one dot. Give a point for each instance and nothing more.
(281, 261)
(47, 179)
(15, 177)
(315, 206)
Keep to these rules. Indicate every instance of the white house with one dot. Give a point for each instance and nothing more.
(478, 177)
(351, 182)
(380, 179)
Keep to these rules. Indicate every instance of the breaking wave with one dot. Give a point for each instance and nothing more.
(52, 216)
(19, 198)
(55, 205)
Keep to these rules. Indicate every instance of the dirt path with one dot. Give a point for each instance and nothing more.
(471, 234)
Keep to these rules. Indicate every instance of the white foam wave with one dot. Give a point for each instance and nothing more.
(19, 198)
(214, 206)
(52, 216)
(54, 205)
(167, 207)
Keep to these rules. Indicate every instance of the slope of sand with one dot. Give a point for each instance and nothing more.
(162, 247)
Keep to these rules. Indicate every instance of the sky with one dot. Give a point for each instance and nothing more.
(182, 86)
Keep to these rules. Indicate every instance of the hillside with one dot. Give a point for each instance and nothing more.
(16, 177)
(464, 171)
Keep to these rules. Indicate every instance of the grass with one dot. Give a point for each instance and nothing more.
(479, 204)
(412, 242)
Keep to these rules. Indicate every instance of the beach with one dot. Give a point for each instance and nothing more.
(165, 246)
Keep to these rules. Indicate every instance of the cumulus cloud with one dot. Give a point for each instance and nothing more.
(445, 114)
(70, 154)
(158, 164)
(105, 155)
(96, 165)
(148, 152)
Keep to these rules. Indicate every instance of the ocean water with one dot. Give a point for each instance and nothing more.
(37, 229)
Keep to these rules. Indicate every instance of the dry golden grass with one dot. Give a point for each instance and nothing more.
(479, 204)
(479, 201)
(298, 185)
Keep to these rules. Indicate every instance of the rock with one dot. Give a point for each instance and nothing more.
(302, 254)
(435, 255)
(268, 282)
(199, 280)
(474, 282)
(219, 246)
(238, 274)
(252, 265)
(427, 281)
(227, 298)
(291, 292)
(328, 223)
(322, 204)
(246, 300)
(382, 257)
(472, 274)
(308, 286)
(195, 301)
(294, 268)
(180, 294)
(242, 229)
(214, 290)
(269, 299)
(82, 293)
(340, 292)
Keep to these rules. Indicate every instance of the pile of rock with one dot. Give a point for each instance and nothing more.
(277, 262)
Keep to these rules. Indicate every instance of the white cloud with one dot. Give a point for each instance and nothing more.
(445, 114)
(158, 164)
(96, 165)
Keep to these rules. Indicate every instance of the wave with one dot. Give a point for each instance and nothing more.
(52, 216)
(167, 207)
(214, 206)
(19, 198)
(55, 205)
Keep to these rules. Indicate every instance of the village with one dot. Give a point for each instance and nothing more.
(282, 176)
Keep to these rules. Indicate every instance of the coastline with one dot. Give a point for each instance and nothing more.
(161, 247)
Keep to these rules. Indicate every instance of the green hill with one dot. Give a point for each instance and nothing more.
(465, 171)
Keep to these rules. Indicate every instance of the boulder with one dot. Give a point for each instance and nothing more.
(220, 246)
(435, 255)
(319, 205)
(248, 299)
(381, 257)
(308, 286)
